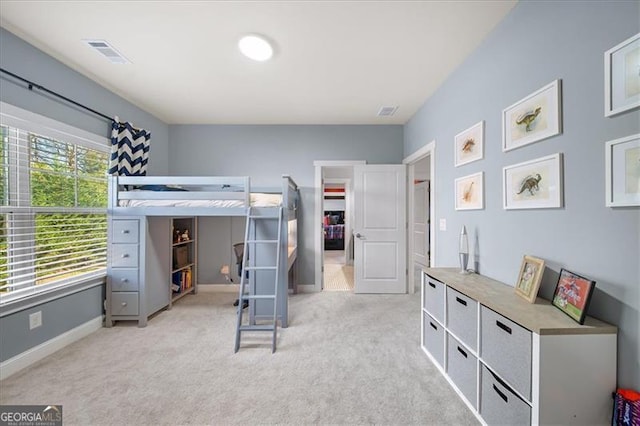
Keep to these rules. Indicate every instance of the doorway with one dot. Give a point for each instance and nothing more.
(340, 262)
(421, 209)
(376, 213)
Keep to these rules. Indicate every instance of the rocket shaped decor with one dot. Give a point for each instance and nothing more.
(464, 251)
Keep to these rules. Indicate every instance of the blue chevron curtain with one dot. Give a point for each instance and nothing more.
(129, 150)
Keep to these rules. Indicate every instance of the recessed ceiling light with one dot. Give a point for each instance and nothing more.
(255, 47)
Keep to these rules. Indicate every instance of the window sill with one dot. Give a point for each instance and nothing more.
(9, 307)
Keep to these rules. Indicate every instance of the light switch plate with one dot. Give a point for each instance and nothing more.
(443, 224)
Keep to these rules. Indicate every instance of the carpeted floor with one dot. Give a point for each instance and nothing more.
(345, 359)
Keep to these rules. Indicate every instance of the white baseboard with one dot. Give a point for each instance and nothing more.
(306, 288)
(219, 288)
(35, 354)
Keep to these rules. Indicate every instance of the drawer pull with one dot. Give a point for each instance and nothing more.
(504, 327)
(124, 256)
(502, 395)
(432, 285)
(125, 231)
(433, 326)
(460, 301)
(124, 303)
(464, 354)
(125, 280)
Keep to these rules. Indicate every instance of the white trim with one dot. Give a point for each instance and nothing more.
(332, 163)
(430, 151)
(420, 153)
(35, 354)
(319, 196)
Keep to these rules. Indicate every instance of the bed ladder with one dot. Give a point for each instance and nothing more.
(250, 244)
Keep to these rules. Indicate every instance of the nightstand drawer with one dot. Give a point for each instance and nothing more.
(506, 347)
(124, 231)
(124, 303)
(124, 255)
(123, 279)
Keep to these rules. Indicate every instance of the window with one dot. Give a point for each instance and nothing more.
(53, 189)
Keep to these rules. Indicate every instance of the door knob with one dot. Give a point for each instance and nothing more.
(358, 235)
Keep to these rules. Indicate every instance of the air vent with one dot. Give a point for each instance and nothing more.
(107, 51)
(387, 111)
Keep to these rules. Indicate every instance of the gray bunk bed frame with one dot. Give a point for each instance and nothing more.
(152, 223)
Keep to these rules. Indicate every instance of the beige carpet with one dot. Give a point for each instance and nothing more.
(338, 277)
(345, 359)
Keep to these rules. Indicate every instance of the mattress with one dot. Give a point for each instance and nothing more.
(257, 200)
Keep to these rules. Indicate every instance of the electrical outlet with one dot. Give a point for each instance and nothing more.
(35, 320)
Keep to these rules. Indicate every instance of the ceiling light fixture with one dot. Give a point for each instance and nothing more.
(255, 47)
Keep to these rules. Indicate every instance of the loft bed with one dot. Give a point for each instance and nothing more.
(150, 199)
(196, 196)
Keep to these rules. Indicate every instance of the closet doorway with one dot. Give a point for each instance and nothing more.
(421, 209)
(337, 224)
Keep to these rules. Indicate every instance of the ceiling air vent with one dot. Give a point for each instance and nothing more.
(107, 51)
(387, 111)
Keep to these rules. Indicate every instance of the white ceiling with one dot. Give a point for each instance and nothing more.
(336, 62)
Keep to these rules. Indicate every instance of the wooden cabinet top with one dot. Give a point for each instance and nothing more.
(540, 317)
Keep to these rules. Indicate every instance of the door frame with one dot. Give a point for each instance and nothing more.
(429, 150)
(319, 211)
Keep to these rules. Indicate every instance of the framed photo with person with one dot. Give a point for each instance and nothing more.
(529, 278)
(573, 294)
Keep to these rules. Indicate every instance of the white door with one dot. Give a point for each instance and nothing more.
(379, 228)
(421, 223)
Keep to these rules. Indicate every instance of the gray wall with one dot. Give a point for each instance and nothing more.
(535, 44)
(266, 152)
(25, 60)
(58, 317)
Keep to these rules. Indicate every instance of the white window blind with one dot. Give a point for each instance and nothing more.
(53, 189)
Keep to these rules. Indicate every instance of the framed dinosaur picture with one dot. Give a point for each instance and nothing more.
(534, 118)
(469, 144)
(534, 184)
(469, 192)
(621, 77)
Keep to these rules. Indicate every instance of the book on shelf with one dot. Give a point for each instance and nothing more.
(181, 280)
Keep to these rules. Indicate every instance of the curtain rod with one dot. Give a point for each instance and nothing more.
(33, 85)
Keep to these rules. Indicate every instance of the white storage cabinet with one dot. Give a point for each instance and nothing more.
(513, 362)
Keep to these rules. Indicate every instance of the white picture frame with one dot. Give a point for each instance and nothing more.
(534, 184)
(469, 145)
(622, 172)
(469, 192)
(622, 77)
(533, 118)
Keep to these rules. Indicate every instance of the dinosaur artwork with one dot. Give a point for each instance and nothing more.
(528, 118)
(530, 183)
(468, 145)
(466, 197)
